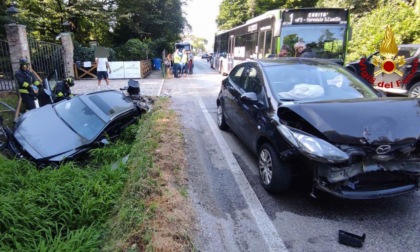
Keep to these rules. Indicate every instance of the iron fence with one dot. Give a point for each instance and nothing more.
(46, 58)
(7, 82)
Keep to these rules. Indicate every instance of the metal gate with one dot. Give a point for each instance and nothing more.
(6, 71)
(46, 58)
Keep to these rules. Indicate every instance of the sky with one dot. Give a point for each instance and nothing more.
(201, 15)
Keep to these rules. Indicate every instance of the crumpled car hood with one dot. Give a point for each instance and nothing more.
(43, 134)
(373, 121)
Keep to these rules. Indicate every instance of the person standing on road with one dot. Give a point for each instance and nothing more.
(184, 63)
(29, 85)
(177, 63)
(168, 64)
(102, 69)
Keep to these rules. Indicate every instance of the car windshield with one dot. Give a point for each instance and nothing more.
(80, 117)
(302, 82)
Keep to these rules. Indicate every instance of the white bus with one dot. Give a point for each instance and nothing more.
(324, 30)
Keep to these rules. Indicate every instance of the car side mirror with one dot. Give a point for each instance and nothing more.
(249, 97)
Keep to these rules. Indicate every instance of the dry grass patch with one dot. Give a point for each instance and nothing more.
(174, 218)
(155, 213)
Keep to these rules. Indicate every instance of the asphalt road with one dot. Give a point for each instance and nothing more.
(236, 214)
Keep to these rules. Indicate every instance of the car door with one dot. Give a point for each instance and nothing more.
(250, 114)
(231, 91)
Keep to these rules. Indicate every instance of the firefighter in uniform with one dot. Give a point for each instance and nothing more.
(29, 85)
(62, 89)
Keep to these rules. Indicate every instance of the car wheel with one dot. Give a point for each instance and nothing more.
(414, 90)
(221, 121)
(275, 175)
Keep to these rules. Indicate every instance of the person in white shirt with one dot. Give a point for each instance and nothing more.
(102, 69)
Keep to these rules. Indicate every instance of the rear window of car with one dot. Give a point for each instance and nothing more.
(111, 103)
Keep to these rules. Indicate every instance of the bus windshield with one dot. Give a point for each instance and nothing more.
(325, 41)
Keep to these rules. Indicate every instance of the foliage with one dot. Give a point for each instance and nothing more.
(10, 98)
(101, 206)
(236, 12)
(144, 198)
(198, 43)
(358, 8)
(231, 14)
(109, 22)
(369, 31)
(143, 19)
(4, 19)
(88, 19)
(368, 19)
(55, 210)
(142, 182)
(133, 49)
(82, 53)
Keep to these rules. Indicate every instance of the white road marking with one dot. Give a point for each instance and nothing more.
(265, 225)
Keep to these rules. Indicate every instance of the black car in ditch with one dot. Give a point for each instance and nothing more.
(314, 117)
(68, 129)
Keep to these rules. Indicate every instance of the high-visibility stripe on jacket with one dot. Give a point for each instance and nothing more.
(25, 79)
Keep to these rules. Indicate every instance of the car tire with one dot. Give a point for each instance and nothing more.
(221, 120)
(275, 175)
(414, 90)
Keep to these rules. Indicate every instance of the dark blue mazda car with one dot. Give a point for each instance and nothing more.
(314, 117)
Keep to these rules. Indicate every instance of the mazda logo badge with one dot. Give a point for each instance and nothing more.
(383, 149)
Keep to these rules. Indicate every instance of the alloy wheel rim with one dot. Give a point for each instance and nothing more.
(416, 92)
(266, 167)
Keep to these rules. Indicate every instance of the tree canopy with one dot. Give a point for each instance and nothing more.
(160, 23)
(110, 23)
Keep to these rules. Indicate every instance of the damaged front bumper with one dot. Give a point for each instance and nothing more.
(369, 179)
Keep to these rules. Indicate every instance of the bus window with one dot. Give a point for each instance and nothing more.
(267, 44)
(264, 45)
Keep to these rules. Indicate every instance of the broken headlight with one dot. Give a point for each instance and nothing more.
(313, 147)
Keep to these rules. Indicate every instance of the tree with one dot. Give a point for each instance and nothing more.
(87, 19)
(368, 31)
(235, 12)
(144, 19)
(231, 14)
(198, 43)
